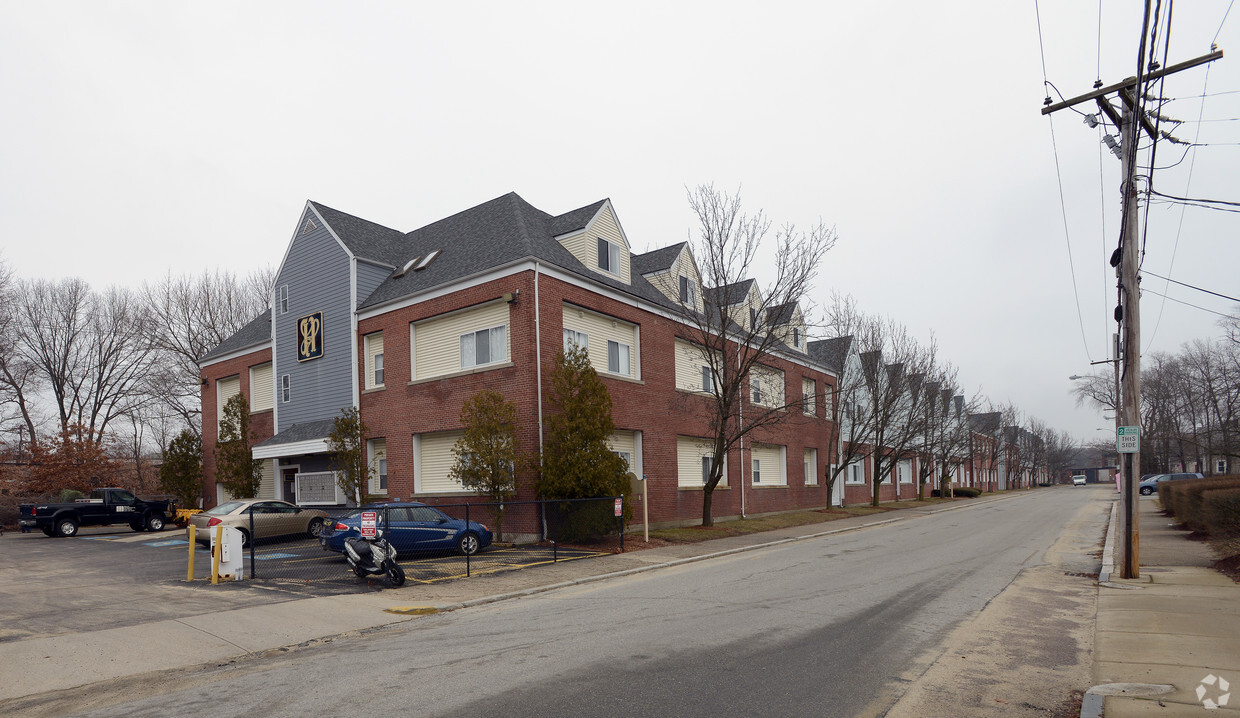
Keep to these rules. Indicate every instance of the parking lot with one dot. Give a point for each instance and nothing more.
(108, 577)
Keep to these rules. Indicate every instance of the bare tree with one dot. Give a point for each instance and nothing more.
(18, 376)
(192, 315)
(91, 350)
(737, 328)
(851, 413)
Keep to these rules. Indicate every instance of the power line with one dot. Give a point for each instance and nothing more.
(1224, 20)
(1187, 304)
(1195, 199)
(1182, 284)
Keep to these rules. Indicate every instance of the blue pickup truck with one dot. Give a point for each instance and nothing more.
(104, 508)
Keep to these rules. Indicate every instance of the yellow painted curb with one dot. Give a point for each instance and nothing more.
(412, 610)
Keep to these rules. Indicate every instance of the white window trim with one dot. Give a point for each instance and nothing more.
(579, 339)
(848, 478)
(286, 388)
(613, 253)
(628, 353)
(503, 345)
(283, 299)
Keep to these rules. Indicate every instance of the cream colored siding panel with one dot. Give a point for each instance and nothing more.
(584, 245)
(225, 389)
(262, 388)
(437, 342)
(267, 485)
(373, 349)
(771, 459)
(622, 442)
(434, 461)
(772, 383)
(378, 455)
(600, 329)
(689, 453)
(690, 358)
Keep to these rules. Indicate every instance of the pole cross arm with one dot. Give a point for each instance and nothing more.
(1132, 81)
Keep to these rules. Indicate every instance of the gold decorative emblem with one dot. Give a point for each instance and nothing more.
(310, 337)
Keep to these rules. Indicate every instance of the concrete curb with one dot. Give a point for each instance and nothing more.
(1108, 547)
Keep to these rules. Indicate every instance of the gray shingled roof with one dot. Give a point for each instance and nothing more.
(728, 294)
(831, 353)
(987, 423)
(659, 260)
(257, 331)
(364, 239)
(307, 431)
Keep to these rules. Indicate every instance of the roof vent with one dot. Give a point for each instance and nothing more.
(309, 226)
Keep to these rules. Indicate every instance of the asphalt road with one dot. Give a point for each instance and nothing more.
(838, 625)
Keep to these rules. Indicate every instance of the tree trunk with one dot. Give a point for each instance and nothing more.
(708, 494)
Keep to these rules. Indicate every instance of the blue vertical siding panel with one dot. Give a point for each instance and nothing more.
(317, 274)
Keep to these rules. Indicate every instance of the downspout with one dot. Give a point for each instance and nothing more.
(538, 374)
(740, 410)
(538, 357)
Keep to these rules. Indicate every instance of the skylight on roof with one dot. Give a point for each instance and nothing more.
(408, 265)
(426, 260)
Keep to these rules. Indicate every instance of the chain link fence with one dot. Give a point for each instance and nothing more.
(439, 542)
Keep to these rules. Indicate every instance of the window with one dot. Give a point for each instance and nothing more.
(484, 347)
(1220, 466)
(284, 299)
(811, 467)
(618, 358)
(626, 456)
(608, 256)
(855, 474)
(756, 384)
(687, 296)
(796, 338)
(286, 389)
(808, 396)
(710, 383)
(707, 464)
(757, 471)
(753, 319)
(374, 360)
(573, 338)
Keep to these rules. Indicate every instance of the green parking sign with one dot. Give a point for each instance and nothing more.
(1128, 439)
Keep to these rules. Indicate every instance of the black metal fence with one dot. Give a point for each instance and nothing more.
(439, 542)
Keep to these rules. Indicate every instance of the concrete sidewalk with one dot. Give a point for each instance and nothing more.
(40, 665)
(1171, 634)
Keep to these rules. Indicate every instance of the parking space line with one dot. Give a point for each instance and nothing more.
(170, 542)
(268, 556)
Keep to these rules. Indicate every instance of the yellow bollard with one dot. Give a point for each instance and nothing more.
(193, 544)
(216, 550)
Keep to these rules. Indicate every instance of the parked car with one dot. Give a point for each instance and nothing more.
(1150, 485)
(412, 526)
(270, 518)
(1078, 480)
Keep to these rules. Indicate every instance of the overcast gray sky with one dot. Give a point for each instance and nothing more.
(140, 138)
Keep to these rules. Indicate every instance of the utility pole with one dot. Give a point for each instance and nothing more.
(1128, 313)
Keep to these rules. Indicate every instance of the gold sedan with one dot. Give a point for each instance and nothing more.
(266, 517)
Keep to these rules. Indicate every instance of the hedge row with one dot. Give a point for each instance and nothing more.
(1207, 505)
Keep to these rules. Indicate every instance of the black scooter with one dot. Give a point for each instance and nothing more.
(373, 556)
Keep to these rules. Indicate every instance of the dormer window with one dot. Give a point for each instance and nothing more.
(608, 256)
(753, 319)
(796, 338)
(687, 297)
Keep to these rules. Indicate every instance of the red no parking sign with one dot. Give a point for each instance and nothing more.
(370, 520)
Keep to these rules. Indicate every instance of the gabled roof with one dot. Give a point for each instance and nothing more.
(660, 260)
(728, 294)
(831, 352)
(987, 423)
(504, 230)
(781, 315)
(255, 333)
(364, 239)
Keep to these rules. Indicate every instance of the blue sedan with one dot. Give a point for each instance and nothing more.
(412, 527)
